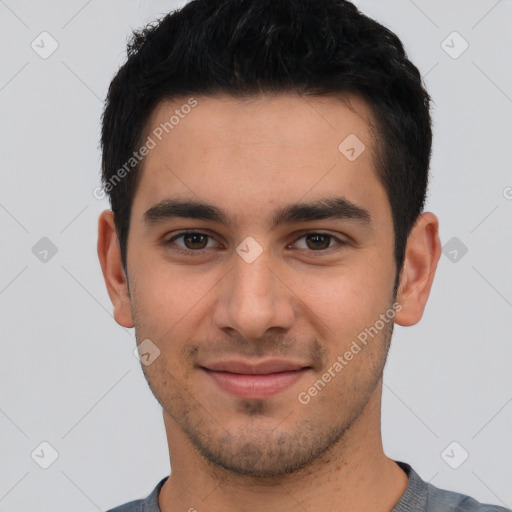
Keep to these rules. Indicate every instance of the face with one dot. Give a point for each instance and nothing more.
(260, 253)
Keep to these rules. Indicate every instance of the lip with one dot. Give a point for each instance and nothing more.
(259, 368)
(255, 381)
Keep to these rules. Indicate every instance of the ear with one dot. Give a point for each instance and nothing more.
(116, 281)
(420, 263)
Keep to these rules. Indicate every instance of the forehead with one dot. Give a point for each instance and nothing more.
(253, 153)
(276, 118)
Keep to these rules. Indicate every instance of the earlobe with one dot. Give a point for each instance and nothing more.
(114, 275)
(421, 257)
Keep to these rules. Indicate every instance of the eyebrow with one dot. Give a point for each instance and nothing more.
(330, 208)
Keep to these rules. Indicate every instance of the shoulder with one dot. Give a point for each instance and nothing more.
(440, 500)
(149, 504)
(424, 497)
(132, 506)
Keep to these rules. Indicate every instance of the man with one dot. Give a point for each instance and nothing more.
(267, 165)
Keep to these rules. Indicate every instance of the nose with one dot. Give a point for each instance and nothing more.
(253, 298)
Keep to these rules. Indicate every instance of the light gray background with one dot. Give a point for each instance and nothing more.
(68, 374)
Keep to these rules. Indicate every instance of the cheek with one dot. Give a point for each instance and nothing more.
(347, 299)
(169, 298)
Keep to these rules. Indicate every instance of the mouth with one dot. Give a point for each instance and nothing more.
(255, 381)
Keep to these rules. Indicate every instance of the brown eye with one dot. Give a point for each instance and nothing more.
(195, 240)
(318, 241)
(191, 242)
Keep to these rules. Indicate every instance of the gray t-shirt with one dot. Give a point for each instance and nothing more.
(419, 496)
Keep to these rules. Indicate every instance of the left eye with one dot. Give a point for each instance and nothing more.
(318, 241)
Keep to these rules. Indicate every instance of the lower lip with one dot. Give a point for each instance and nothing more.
(255, 386)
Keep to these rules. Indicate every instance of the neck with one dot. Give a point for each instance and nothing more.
(354, 475)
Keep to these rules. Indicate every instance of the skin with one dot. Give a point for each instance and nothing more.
(251, 157)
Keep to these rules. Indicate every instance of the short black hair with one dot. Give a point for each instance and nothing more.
(247, 47)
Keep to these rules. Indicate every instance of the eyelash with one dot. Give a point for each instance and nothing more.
(183, 234)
